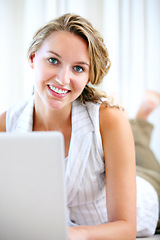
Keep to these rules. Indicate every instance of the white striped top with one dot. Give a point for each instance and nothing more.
(85, 171)
(84, 175)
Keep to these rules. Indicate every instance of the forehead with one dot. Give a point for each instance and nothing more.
(65, 40)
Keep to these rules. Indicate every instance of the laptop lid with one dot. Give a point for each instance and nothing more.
(32, 193)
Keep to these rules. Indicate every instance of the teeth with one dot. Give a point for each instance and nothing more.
(60, 91)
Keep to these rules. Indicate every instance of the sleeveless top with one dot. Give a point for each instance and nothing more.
(85, 170)
(84, 166)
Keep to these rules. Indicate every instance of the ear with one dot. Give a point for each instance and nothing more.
(31, 60)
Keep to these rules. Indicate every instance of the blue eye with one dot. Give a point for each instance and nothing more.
(78, 69)
(53, 60)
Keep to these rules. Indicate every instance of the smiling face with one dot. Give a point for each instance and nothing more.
(61, 67)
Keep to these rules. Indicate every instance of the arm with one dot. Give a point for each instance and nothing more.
(120, 171)
(3, 122)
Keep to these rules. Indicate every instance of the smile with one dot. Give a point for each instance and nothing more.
(57, 90)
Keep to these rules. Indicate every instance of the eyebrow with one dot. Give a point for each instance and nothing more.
(54, 53)
(83, 63)
(80, 62)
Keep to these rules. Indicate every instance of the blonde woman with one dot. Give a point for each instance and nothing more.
(67, 56)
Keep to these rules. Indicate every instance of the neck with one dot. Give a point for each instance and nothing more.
(46, 119)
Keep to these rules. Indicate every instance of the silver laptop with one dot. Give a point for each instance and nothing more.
(32, 192)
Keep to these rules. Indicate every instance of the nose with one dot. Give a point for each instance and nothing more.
(64, 75)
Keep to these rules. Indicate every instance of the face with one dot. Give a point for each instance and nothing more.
(61, 67)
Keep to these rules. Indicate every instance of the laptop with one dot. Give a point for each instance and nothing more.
(32, 192)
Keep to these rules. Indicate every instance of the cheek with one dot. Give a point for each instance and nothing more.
(42, 74)
(80, 83)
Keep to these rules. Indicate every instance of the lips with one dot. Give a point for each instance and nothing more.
(58, 90)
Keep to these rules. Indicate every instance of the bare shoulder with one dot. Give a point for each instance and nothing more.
(115, 130)
(112, 118)
(3, 122)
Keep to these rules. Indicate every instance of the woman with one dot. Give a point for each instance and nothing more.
(68, 55)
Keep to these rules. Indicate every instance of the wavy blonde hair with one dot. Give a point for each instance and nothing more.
(98, 54)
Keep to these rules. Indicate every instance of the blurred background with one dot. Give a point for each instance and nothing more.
(131, 31)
